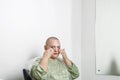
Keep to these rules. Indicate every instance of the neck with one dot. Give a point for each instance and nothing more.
(53, 58)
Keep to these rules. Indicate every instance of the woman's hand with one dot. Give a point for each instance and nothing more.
(63, 53)
(66, 59)
(48, 53)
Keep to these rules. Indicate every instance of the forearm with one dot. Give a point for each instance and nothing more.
(67, 61)
(74, 71)
(44, 63)
(37, 72)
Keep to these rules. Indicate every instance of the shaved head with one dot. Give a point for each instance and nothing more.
(53, 43)
(49, 39)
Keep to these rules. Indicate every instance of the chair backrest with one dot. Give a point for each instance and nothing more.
(26, 74)
(27, 68)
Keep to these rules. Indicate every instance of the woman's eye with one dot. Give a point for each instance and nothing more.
(58, 47)
(52, 46)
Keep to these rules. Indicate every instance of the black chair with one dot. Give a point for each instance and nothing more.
(26, 74)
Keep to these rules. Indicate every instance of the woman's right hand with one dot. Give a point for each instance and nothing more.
(48, 53)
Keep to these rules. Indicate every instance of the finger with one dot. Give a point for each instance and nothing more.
(62, 51)
(51, 51)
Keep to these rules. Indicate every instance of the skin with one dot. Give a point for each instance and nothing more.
(52, 51)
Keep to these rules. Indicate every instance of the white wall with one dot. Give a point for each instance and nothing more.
(25, 24)
(76, 33)
(88, 44)
(24, 27)
(107, 37)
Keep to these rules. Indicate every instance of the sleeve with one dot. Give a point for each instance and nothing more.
(73, 69)
(38, 73)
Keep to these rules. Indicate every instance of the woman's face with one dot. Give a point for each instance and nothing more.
(55, 45)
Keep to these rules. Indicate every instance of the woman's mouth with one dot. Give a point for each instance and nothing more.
(55, 53)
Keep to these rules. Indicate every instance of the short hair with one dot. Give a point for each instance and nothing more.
(50, 39)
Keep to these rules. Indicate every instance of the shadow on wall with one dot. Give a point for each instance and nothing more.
(113, 68)
(15, 76)
(33, 55)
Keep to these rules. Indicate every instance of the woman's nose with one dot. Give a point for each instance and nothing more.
(55, 49)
